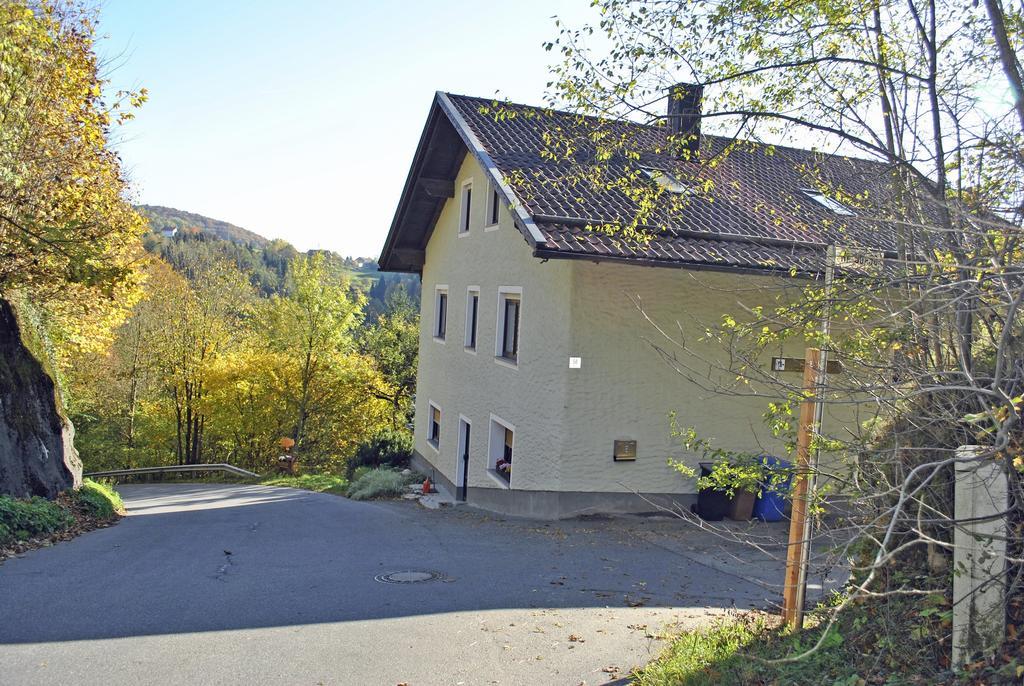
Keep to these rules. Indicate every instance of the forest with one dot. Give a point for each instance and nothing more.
(234, 342)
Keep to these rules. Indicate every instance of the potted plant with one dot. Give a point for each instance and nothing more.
(504, 468)
(735, 475)
(740, 478)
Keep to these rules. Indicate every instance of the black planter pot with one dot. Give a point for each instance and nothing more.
(712, 504)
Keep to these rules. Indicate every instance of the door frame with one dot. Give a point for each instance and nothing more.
(462, 458)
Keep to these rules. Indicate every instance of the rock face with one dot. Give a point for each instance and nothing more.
(37, 452)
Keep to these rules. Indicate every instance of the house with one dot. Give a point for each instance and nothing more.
(539, 390)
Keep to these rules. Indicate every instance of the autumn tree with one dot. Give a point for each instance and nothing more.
(63, 216)
(68, 236)
(393, 343)
(312, 331)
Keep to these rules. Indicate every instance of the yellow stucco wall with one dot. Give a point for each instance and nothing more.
(567, 419)
(627, 386)
(530, 397)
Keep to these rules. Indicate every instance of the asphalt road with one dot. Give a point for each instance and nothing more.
(218, 584)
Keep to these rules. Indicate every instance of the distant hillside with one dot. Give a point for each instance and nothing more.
(180, 237)
(169, 220)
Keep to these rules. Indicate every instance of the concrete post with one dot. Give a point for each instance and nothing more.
(979, 555)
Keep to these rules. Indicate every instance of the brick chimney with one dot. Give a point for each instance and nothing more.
(684, 101)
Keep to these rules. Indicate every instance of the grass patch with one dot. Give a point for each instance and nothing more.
(882, 640)
(27, 523)
(378, 483)
(99, 499)
(737, 650)
(319, 483)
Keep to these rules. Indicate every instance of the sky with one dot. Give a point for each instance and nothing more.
(299, 120)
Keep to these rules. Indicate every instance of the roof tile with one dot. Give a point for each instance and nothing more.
(752, 213)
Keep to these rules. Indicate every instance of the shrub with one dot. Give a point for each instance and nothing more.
(23, 519)
(386, 448)
(360, 472)
(99, 499)
(378, 483)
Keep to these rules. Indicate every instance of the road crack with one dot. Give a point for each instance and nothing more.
(222, 571)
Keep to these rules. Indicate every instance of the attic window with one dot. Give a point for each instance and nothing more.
(493, 203)
(667, 181)
(828, 203)
(465, 209)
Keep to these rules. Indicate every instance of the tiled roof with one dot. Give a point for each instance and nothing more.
(750, 213)
(576, 241)
(750, 210)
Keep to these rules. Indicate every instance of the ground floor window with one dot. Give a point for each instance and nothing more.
(434, 427)
(502, 448)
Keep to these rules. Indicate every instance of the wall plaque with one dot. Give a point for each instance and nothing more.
(625, 451)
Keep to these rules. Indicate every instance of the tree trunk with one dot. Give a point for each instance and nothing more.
(133, 393)
(37, 452)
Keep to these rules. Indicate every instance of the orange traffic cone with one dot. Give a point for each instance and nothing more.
(427, 486)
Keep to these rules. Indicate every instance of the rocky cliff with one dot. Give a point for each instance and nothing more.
(37, 453)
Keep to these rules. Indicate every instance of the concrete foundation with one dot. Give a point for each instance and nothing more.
(535, 504)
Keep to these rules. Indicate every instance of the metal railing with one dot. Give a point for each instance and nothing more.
(176, 469)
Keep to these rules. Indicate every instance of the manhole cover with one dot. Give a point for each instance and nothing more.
(408, 577)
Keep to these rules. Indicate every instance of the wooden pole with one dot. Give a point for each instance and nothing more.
(799, 529)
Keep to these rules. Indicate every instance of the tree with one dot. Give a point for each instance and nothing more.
(247, 403)
(312, 326)
(68, 238)
(63, 216)
(200, 318)
(931, 334)
(393, 343)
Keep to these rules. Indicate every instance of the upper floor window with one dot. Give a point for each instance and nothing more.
(509, 315)
(828, 203)
(472, 315)
(434, 427)
(465, 208)
(493, 203)
(440, 312)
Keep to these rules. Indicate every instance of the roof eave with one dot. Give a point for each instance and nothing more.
(386, 260)
(524, 222)
(766, 270)
(442, 104)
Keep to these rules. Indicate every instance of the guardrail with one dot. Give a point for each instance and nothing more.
(175, 469)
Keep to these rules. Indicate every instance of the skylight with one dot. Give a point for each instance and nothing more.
(667, 181)
(828, 203)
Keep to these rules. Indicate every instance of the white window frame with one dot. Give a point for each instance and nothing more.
(472, 335)
(496, 448)
(435, 441)
(504, 293)
(465, 208)
(493, 209)
(828, 203)
(440, 289)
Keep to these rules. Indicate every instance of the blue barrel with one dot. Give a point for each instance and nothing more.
(770, 505)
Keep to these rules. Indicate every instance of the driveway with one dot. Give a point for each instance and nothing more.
(219, 584)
